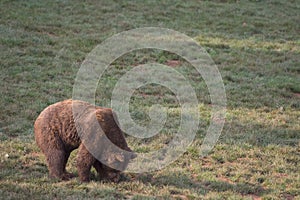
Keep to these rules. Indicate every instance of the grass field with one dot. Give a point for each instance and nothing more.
(256, 46)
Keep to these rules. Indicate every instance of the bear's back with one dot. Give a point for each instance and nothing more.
(56, 122)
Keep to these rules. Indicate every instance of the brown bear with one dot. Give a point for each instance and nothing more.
(57, 134)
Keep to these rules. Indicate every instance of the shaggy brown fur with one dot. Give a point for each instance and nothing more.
(57, 136)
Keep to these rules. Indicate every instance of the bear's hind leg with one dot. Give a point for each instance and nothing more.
(67, 175)
(85, 160)
(56, 160)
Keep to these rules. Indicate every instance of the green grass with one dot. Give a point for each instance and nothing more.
(256, 46)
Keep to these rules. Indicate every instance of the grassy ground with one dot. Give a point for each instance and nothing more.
(256, 45)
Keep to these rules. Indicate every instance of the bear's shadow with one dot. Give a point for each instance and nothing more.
(183, 181)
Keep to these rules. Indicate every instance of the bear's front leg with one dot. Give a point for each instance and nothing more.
(85, 160)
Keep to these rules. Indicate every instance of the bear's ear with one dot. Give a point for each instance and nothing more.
(115, 157)
(120, 157)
